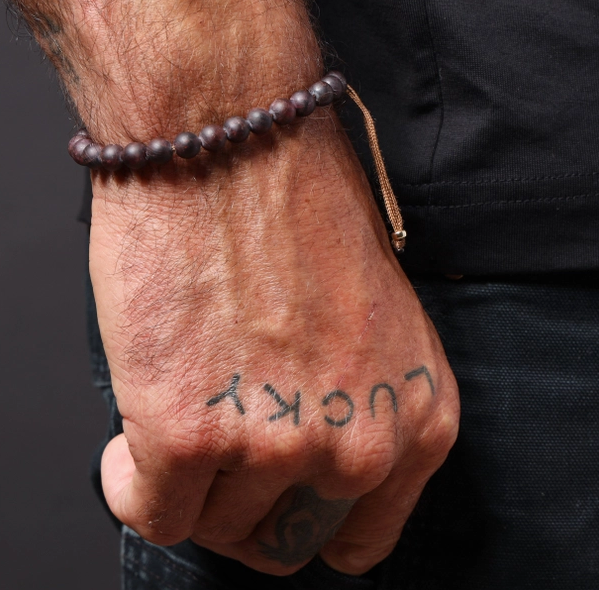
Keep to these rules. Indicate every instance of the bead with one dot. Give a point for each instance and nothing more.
(260, 121)
(339, 77)
(81, 134)
(92, 156)
(237, 129)
(322, 92)
(134, 155)
(335, 84)
(303, 102)
(213, 138)
(77, 148)
(111, 157)
(282, 111)
(187, 145)
(159, 151)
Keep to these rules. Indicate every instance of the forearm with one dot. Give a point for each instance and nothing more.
(137, 69)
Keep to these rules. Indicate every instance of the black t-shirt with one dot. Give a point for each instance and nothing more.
(488, 118)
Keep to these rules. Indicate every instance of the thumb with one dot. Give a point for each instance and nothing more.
(159, 495)
(118, 468)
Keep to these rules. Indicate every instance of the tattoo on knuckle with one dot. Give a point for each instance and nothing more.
(340, 408)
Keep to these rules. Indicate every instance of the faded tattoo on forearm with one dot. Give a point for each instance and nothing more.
(49, 30)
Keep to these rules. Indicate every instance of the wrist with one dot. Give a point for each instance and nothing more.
(311, 157)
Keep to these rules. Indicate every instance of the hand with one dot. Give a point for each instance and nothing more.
(283, 392)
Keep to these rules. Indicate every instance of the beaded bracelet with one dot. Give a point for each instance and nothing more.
(236, 130)
(212, 138)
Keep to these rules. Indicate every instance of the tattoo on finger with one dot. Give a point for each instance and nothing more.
(305, 527)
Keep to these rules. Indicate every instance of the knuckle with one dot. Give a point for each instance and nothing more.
(447, 422)
(439, 437)
(449, 425)
(191, 446)
(436, 425)
(366, 460)
(287, 454)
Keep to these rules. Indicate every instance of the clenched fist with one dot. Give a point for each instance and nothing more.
(282, 390)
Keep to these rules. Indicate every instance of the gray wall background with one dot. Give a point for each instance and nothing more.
(53, 532)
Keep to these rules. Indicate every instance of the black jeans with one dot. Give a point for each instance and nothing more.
(516, 505)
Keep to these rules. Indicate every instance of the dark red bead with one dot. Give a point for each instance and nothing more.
(339, 77)
(303, 102)
(134, 156)
(282, 111)
(260, 121)
(187, 145)
(335, 84)
(322, 92)
(213, 138)
(92, 156)
(159, 151)
(111, 157)
(237, 129)
(77, 148)
(81, 134)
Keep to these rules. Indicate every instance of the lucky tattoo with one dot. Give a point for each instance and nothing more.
(335, 417)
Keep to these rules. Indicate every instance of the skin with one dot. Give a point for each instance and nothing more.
(282, 390)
